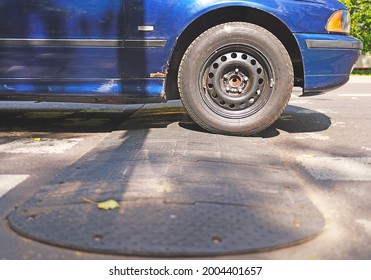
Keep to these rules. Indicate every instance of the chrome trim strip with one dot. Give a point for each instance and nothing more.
(334, 44)
(61, 43)
(89, 43)
(146, 28)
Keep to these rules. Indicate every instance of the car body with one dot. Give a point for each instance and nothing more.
(132, 51)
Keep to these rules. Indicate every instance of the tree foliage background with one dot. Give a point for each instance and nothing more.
(360, 11)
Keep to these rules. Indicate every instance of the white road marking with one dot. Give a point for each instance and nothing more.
(313, 136)
(7, 182)
(338, 168)
(355, 94)
(339, 124)
(39, 146)
(366, 148)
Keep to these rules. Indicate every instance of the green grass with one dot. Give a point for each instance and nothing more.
(362, 72)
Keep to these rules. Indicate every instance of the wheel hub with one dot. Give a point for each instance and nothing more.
(235, 81)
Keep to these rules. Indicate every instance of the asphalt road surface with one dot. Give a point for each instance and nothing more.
(308, 177)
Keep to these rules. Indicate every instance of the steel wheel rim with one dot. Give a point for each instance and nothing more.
(237, 81)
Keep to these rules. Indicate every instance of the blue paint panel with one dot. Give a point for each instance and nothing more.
(173, 16)
(61, 18)
(325, 68)
(60, 63)
(141, 88)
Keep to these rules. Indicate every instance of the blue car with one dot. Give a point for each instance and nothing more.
(233, 63)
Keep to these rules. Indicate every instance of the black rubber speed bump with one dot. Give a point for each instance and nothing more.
(181, 193)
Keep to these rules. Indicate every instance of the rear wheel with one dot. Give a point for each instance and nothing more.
(235, 78)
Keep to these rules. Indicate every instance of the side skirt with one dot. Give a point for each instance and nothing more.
(92, 91)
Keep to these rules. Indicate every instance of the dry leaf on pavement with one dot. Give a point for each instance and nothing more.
(104, 205)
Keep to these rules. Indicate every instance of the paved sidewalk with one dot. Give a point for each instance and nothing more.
(360, 79)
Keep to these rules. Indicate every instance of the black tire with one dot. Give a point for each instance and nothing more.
(235, 78)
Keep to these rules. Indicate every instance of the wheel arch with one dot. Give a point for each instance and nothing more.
(229, 14)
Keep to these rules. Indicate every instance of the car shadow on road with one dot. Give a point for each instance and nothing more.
(302, 120)
(107, 119)
(63, 118)
(293, 120)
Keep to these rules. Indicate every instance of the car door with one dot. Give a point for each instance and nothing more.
(54, 43)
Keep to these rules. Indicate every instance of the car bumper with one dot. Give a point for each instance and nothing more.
(328, 60)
